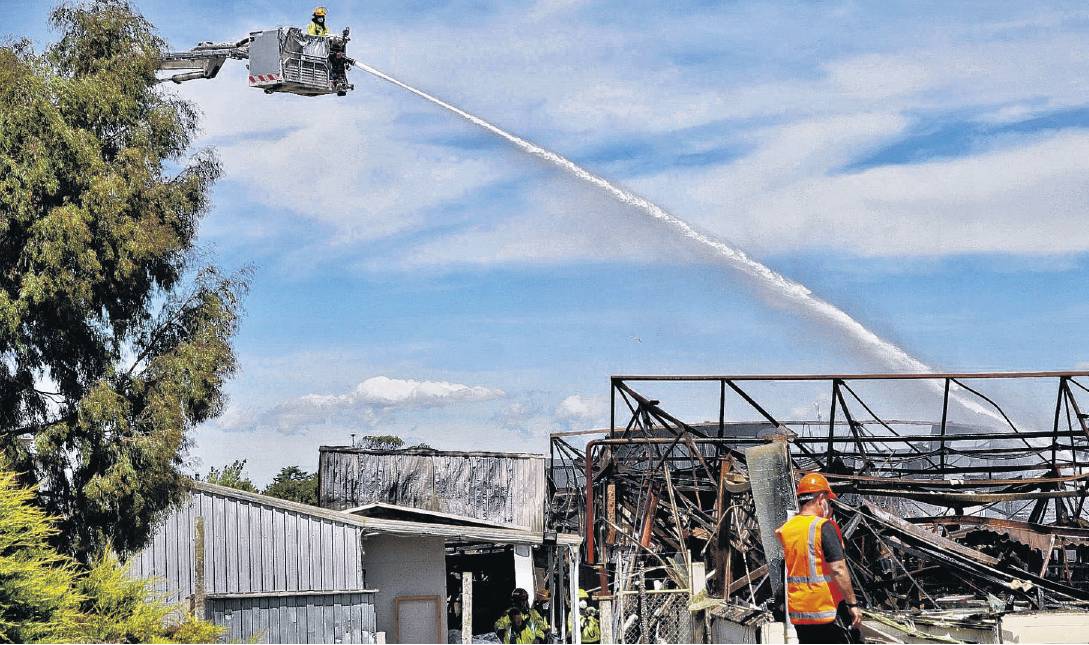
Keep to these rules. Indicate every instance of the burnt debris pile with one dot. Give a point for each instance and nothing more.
(955, 524)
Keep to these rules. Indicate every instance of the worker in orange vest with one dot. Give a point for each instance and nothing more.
(820, 598)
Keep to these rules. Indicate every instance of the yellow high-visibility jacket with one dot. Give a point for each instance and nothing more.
(314, 29)
(591, 626)
(533, 629)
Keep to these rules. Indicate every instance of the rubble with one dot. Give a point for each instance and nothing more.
(947, 533)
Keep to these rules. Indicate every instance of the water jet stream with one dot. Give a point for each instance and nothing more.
(763, 275)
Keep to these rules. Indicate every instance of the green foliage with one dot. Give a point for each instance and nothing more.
(37, 602)
(48, 596)
(380, 442)
(119, 609)
(387, 442)
(232, 476)
(293, 483)
(112, 345)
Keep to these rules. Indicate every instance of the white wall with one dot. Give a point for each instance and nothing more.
(404, 566)
(1045, 627)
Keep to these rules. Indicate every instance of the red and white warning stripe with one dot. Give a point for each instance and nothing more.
(258, 79)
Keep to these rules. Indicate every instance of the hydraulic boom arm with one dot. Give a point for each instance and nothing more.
(284, 59)
(204, 60)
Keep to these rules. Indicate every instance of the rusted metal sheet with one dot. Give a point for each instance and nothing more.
(927, 536)
(1038, 537)
(1071, 532)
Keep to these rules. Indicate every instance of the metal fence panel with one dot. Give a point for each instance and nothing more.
(655, 616)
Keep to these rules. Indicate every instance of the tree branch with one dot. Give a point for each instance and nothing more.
(38, 427)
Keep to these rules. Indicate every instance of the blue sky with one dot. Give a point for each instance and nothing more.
(920, 165)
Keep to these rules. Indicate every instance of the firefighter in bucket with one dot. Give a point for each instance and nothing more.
(338, 58)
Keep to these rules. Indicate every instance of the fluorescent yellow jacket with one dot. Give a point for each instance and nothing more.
(533, 629)
(314, 29)
(591, 627)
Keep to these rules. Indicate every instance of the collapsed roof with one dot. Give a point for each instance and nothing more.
(969, 521)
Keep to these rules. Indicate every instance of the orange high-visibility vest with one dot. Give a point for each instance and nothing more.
(811, 598)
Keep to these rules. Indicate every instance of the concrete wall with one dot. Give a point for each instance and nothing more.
(405, 566)
(1045, 627)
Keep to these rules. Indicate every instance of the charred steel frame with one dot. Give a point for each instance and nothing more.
(846, 457)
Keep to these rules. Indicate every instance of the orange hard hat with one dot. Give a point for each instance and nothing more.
(815, 483)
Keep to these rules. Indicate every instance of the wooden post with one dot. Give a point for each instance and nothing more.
(605, 617)
(199, 597)
(648, 520)
(466, 607)
(610, 513)
(722, 554)
(576, 615)
(681, 532)
(644, 610)
(561, 588)
(697, 584)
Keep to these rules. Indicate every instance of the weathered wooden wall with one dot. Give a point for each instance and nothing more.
(262, 557)
(502, 488)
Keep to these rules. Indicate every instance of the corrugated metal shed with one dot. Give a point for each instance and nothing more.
(274, 571)
(313, 618)
(269, 570)
(506, 489)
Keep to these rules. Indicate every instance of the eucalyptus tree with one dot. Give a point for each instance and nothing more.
(114, 341)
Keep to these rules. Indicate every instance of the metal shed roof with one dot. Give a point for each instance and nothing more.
(375, 526)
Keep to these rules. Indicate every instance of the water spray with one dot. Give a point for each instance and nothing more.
(777, 283)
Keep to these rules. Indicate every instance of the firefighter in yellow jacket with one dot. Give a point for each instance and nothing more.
(820, 598)
(317, 23)
(589, 625)
(521, 623)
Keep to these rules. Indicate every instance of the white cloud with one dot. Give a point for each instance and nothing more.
(559, 222)
(581, 408)
(369, 404)
(877, 76)
(790, 193)
(536, 415)
(1026, 198)
(514, 415)
(379, 163)
(547, 8)
(385, 391)
(339, 162)
(442, 414)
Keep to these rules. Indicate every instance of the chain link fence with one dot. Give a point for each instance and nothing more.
(654, 616)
